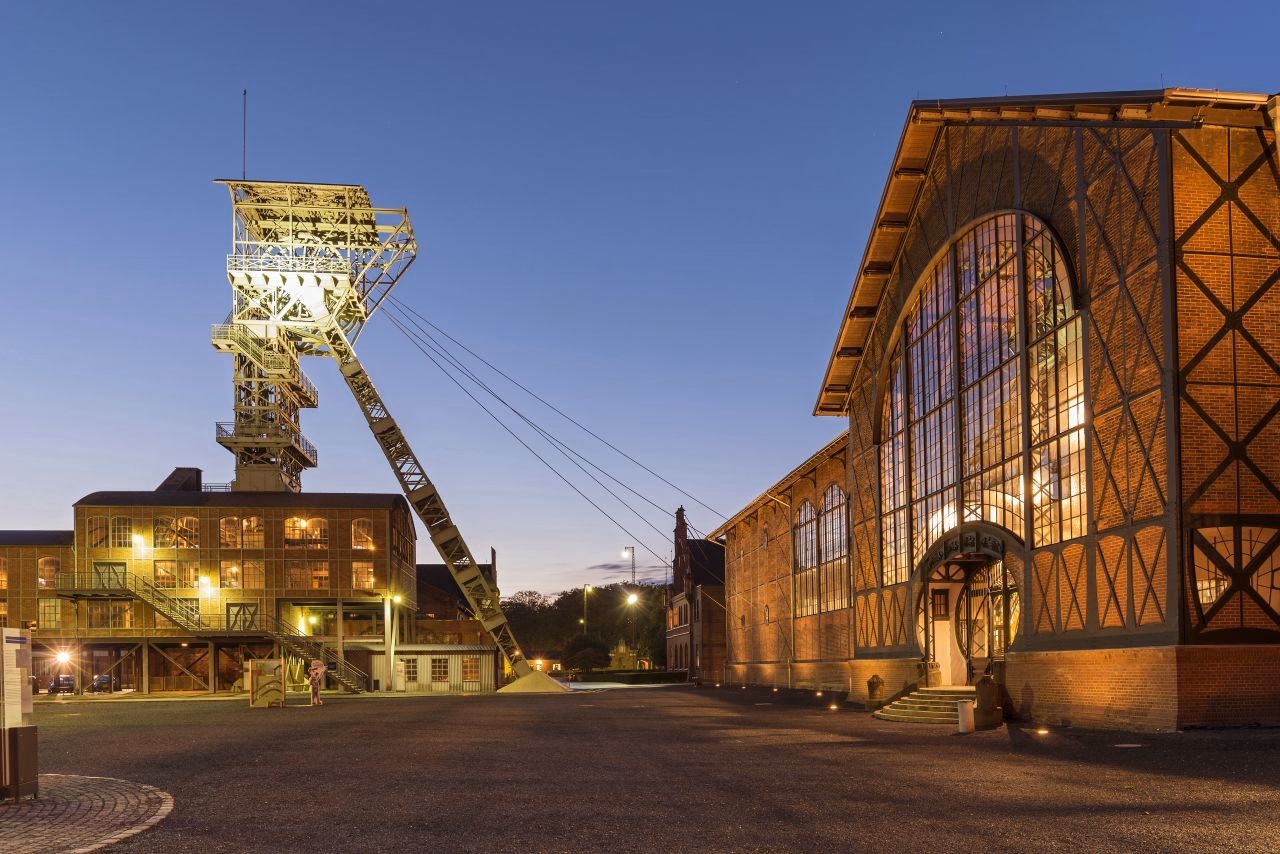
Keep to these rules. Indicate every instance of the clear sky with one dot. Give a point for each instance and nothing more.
(647, 212)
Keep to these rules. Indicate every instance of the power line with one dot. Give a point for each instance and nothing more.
(553, 407)
(526, 445)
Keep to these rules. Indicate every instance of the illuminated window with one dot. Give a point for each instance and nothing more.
(188, 574)
(806, 563)
(253, 575)
(110, 614)
(955, 416)
(229, 532)
(4, 614)
(165, 532)
(440, 670)
(4, 573)
(187, 533)
(362, 534)
(121, 532)
(311, 533)
(251, 532)
(362, 574)
(833, 548)
(50, 613)
(471, 668)
(307, 574)
(165, 574)
(97, 532)
(410, 668)
(47, 569)
(230, 575)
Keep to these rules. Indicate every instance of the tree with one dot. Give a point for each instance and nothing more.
(585, 653)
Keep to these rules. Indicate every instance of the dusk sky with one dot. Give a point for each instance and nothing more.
(649, 213)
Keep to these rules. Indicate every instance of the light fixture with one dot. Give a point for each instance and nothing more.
(1042, 731)
(396, 598)
(302, 523)
(632, 599)
(204, 581)
(63, 657)
(581, 621)
(137, 541)
(312, 619)
(625, 553)
(819, 694)
(834, 707)
(587, 588)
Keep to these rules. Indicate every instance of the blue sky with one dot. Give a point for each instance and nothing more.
(648, 212)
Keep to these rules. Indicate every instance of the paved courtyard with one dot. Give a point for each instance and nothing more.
(670, 769)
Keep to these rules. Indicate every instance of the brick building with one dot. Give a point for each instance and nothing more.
(1060, 370)
(695, 606)
(172, 589)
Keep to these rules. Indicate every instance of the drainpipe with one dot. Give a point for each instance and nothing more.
(1273, 113)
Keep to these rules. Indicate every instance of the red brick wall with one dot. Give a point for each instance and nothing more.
(1228, 685)
(1101, 688)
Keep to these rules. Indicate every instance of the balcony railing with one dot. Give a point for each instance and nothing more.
(279, 262)
(269, 434)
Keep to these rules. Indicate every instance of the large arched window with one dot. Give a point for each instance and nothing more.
(833, 548)
(806, 565)
(984, 406)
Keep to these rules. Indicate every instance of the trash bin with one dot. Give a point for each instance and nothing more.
(964, 716)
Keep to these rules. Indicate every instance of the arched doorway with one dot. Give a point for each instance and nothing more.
(968, 608)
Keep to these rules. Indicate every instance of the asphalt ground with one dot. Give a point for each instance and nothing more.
(660, 769)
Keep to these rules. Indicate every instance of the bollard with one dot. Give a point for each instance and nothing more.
(964, 716)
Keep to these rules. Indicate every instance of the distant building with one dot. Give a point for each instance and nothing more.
(695, 606)
(172, 589)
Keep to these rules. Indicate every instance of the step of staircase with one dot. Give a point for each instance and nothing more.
(927, 706)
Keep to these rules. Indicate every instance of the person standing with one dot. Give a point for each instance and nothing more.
(316, 678)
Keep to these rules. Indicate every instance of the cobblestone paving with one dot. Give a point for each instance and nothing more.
(75, 813)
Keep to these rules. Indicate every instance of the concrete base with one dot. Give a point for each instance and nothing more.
(536, 682)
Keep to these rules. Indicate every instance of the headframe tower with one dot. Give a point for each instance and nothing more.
(309, 265)
(306, 259)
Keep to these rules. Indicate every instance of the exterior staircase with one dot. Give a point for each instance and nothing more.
(927, 706)
(116, 581)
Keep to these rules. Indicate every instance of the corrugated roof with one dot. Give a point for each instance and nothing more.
(190, 498)
(925, 120)
(37, 538)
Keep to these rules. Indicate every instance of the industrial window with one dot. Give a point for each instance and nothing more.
(164, 574)
(306, 533)
(4, 615)
(165, 532)
(229, 575)
(307, 574)
(4, 573)
(171, 533)
(470, 668)
(994, 312)
(110, 614)
(439, 670)
(410, 668)
(188, 574)
(50, 613)
(97, 532)
(47, 569)
(251, 532)
(121, 532)
(253, 575)
(362, 534)
(806, 565)
(833, 548)
(187, 532)
(229, 532)
(362, 574)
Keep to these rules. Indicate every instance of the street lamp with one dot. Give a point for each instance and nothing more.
(586, 588)
(631, 600)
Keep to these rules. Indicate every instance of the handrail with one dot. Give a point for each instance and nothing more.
(287, 633)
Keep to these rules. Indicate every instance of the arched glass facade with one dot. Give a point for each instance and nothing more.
(984, 408)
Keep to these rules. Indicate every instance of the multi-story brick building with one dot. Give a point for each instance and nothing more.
(695, 606)
(1060, 366)
(172, 589)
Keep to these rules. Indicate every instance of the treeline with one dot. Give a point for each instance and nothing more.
(552, 626)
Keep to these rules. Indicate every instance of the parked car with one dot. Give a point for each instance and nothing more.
(104, 682)
(63, 683)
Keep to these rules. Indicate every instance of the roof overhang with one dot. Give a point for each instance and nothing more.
(912, 160)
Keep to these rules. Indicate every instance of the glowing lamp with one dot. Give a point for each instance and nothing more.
(63, 657)
(632, 599)
(311, 619)
(396, 598)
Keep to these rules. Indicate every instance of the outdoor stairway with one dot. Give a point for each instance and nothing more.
(186, 616)
(927, 706)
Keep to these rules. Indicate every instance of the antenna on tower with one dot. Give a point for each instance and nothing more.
(244, 134)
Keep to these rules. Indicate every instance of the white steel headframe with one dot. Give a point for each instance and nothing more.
(309, 265)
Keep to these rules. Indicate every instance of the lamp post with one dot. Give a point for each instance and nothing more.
(632, 599)
(586, 588)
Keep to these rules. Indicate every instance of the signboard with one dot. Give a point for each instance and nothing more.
(15, 678)
(962, 542)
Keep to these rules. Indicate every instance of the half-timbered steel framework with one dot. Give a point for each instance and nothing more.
(1059, 369)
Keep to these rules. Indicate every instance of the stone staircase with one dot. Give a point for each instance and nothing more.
(927, 706)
